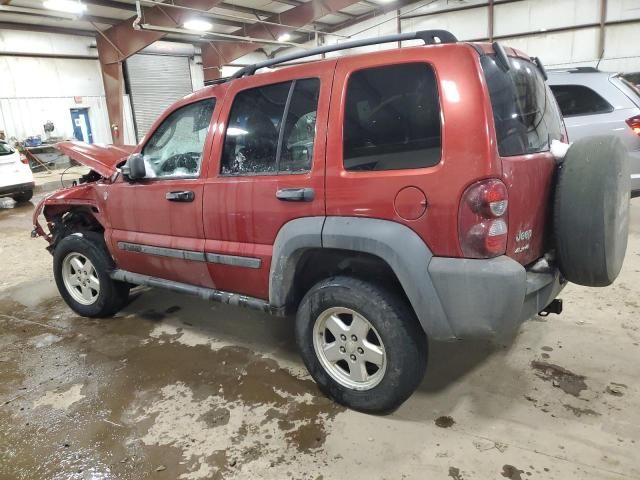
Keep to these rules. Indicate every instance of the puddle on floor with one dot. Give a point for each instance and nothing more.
(103, 398)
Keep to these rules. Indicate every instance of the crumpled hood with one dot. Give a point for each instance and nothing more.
(99, 157)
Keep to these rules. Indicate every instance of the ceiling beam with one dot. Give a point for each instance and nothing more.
(119, 42)
(127, 7)
(253, 13)
(46, 29)
(123, 40)
(217, 54)
(38, 12)
(377, 12)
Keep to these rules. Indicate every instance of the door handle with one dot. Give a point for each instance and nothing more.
(296, 194)
(184, 196)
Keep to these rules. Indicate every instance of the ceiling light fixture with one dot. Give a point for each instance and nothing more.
(68, 6)
(285, 37)
(198, 25)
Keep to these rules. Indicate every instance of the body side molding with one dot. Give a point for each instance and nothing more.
(210, 257)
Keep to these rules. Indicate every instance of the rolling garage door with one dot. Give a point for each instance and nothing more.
(155, 82)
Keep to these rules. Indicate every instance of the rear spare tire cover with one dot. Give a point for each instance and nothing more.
(591, 211)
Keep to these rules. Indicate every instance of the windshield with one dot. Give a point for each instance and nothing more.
(525, 112)
(5, 149)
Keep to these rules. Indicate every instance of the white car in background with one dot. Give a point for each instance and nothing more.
(16, 179)
(600, 103)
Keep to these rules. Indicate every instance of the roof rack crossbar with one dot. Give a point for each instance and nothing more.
(429, 37)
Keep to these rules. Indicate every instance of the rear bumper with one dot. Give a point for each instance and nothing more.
(490, 298)
(13, 189)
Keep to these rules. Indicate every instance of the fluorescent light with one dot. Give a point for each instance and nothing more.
(69, 6)
(285, 37)
(198, 25)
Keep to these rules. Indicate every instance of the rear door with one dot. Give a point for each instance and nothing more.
(526, 120)
(269, 169)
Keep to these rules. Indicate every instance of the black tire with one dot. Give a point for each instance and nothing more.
(23, 196)
(405, 343)
(112, 295)
(591, 211)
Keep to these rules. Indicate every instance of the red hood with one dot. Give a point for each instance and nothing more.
(99, 157)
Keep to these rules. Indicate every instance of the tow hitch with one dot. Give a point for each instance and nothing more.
(554, 307)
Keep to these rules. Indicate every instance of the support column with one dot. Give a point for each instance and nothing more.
(491, 20)
(603, 20)
(113, 80)
(212, 63)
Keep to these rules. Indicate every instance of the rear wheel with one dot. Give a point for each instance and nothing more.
(81, 266)
(23, 196)
(361, 343)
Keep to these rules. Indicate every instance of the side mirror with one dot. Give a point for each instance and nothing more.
(134, 169)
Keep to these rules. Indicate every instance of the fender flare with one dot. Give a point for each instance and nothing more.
(293, 239)
(396, 244)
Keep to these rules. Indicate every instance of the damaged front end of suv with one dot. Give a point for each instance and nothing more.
(80, 205)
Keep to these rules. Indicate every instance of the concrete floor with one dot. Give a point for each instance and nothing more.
(174, 387)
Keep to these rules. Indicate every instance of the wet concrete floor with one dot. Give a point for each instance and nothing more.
(175, 387)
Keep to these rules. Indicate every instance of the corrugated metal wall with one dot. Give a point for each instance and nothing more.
(155, 82)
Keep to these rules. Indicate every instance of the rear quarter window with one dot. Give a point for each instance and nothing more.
(392, 118)
(579, 100)
(525, 113)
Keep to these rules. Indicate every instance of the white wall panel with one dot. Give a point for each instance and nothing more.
(536, 15)
(439, 5)
(623, 9)
(465, 24)
(23, 117)
(559, 48)
(49, 43)
(36, 89)
(49, 77)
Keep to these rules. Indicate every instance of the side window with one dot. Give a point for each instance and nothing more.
(175, 148)
(579, 100)
(392, 118)
(300, 127)
(271, 129)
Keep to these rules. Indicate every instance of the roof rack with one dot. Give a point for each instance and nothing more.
(429, 37)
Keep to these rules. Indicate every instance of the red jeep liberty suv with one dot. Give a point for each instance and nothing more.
(384, 198)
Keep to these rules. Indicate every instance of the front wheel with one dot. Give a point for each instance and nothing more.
(81, 266)
(361, 343)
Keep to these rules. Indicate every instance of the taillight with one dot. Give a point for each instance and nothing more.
(634, 123)
(24, 159)
(482, 221)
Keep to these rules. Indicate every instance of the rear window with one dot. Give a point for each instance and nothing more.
(579, 100)
(5, 149)
(525, 113)
(392, 118)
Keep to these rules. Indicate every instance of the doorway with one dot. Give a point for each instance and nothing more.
(81, 125)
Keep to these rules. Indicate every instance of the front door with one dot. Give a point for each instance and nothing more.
(269, 170)
(81, 125)
(156, 223)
